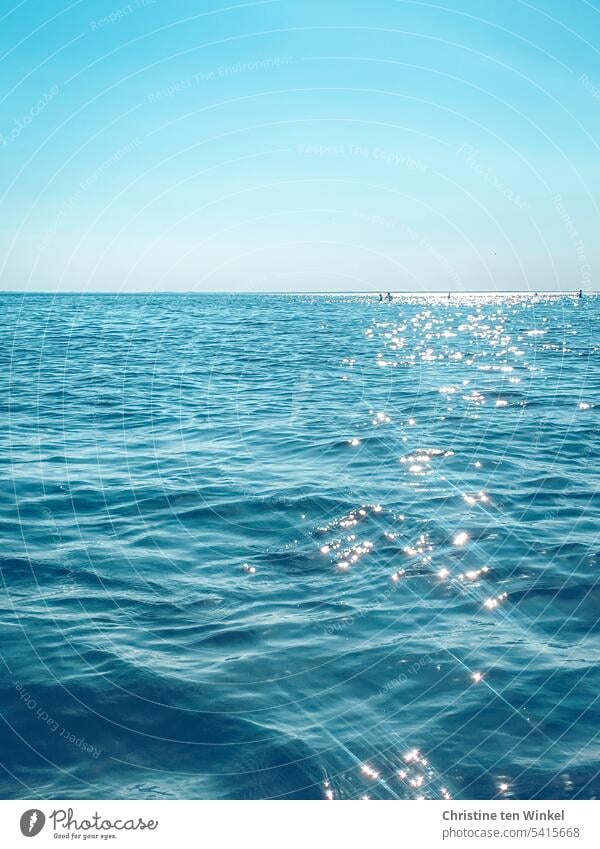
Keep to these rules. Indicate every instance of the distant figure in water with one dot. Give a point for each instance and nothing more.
(580, 293)
(389, 296)
(448, 295)
(380, 297)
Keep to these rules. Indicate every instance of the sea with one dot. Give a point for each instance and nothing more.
(299, 546)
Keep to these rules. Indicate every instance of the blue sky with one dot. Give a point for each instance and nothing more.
(293, 145)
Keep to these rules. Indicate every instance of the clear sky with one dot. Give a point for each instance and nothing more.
(296, 145)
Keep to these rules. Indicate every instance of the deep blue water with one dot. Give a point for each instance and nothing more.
(295, 546)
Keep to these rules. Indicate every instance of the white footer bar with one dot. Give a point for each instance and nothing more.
(298, 825)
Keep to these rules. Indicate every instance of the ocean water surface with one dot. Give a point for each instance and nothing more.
(299, 547)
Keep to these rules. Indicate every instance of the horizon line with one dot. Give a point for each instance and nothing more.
(442, 292)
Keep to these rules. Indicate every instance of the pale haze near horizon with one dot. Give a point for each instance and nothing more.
(287, 146)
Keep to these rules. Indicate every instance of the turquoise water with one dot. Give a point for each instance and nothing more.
(297, 546)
